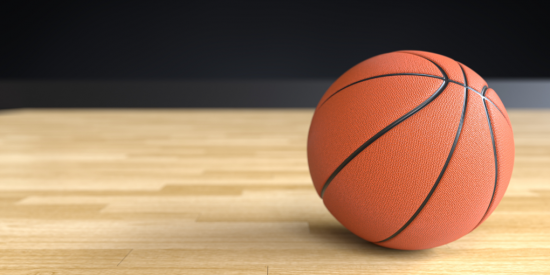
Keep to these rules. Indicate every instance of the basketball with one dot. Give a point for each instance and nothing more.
(410, 150)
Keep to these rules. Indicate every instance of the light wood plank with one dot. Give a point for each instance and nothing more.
(222, 192)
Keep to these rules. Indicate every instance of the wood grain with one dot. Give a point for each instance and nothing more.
(222, 192)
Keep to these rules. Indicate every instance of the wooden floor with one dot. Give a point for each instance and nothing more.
(222, 192)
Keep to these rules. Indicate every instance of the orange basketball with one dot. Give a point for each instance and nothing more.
(410, 150)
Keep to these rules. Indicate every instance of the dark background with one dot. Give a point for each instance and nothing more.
(244, 53)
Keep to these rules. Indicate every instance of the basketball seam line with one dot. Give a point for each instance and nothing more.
(374, 77)
(438, 180)
(413, 74)
(483, 97)
(495, 155)
(387, 128)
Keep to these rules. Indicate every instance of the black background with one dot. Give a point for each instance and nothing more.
(269, 40)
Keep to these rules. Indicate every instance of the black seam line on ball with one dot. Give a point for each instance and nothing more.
(438, 180)
(482, 95)
(378, 76)
(413, 74)
(386, 129)
(494, 153)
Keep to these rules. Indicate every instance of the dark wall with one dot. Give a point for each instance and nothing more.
(516, 93)
(249, 53)
(262, 39)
